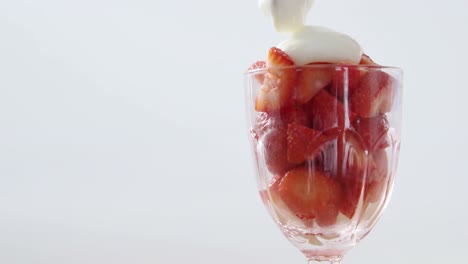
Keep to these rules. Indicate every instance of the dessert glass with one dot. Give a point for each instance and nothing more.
(325, 168)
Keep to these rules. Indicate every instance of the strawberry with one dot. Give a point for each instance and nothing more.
(300, 141)
(271, 120)
(311, 194)
(374, 94)
(326, 111)
(351, 167)
(374, 131)
(310, 80)
(278, 86)
(377, 178)
(352, 189)
(259, 65)
(366, 60)
(348, 77)
(264, 122)
(294, 115)
(275, 150)
(345, 81)
(271, 128)
(352, 156)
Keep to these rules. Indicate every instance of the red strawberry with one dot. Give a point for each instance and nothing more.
(325, 112)
(352, 156)
(374, 185)
(322, 152)
(377, 178)
(275, 150)
(300, 141)
(345, 81)
(366, 60)
(317, 148)
(348, 77)
(352, 189)
(311, 194)
(271, 128)
(310, 80)
(259, 65)
(278, 86)
(353, 161)
(271, 120)
(374, 94)
(374, 131)
(264, 122)
(294, 115)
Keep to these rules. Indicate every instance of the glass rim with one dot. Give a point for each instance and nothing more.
(336, 66)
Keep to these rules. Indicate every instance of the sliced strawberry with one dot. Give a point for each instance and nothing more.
(259, 65)
(311, 194)
(374, 94)
(310, 80)
(300, 142)
(264, 122)
(294, 115)
(271, 129)
(326, 111)
(353, 162)
(352, 189)
(322, 152)
(271, 120)
(275, 150)
(352, 155)
(316, 148)
(366, 60)
(374, 131)
(348, 77)
(345, 81)
(278, 86)
(375, 184)
(377, 178)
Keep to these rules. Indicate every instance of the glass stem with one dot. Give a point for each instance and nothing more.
(321, 261)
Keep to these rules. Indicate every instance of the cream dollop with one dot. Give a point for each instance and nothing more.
(309, 44)
(318, 44)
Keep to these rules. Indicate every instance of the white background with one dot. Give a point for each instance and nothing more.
(123, 139)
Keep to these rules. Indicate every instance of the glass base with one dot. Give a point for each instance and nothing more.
(324, 260)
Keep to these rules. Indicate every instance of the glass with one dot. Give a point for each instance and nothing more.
(326, 141)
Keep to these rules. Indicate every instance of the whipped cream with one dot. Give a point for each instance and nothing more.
(318, 44)
(287, 15)
(309, 44)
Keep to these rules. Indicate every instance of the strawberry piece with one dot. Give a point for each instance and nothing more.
(311, 194)
(294, 115)
(345, 81)
(307, 144)
(352, 189)
(300, 142)
(271, 128)
(374, 94)
(271, 120)
(375, 184)
(377, 178)
(278, 86)
(264, 122)
(374, 131)
(310, 80)
(326, 111)
(352, 156)
(348, 77)
(366, 60)
(275, 150)
(352, 165)
(259, 65)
